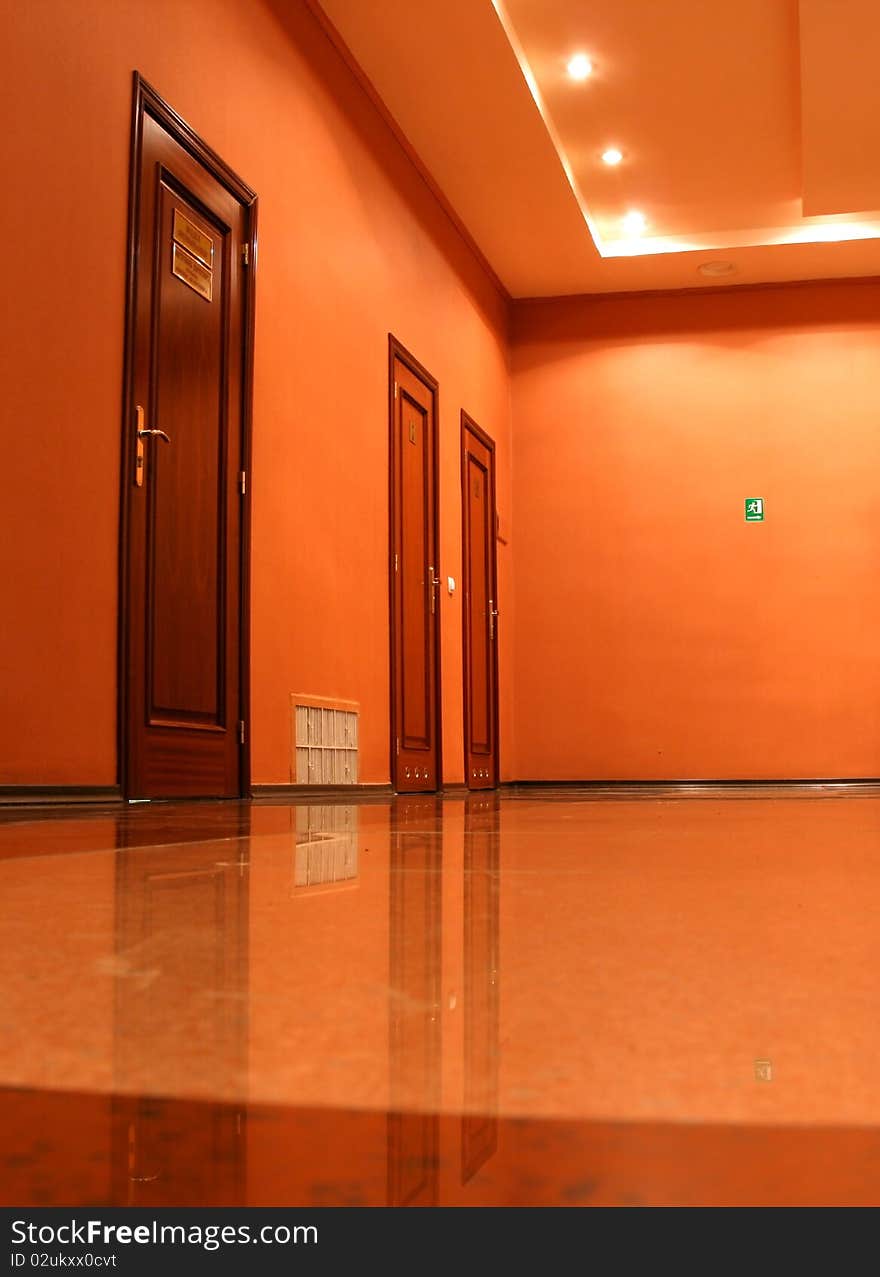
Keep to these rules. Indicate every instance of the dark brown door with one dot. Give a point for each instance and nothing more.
(415, 585)
(480, 607)
(188, 355)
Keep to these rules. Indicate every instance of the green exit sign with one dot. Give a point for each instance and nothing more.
(754, 509)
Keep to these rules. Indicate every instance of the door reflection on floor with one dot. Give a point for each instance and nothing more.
(180, 1022)
(414, 1063)
(479, 1124)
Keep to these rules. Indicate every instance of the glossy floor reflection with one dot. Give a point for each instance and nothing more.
(549, 997)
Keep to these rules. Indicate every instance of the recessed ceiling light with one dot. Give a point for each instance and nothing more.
(580, 67)
(612, 156)
(716, 268)
(634, 223)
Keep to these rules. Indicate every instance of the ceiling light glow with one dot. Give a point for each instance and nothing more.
(580, 67)
(634, 223)
(612, 156)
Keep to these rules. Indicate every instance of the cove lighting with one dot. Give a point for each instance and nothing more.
(634, 223)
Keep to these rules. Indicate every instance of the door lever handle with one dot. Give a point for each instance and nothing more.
(433, 581)
(141, 433)
(493, 612)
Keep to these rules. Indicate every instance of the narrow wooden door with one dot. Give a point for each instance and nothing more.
(415, 577)
(480, 610)
(183, 716)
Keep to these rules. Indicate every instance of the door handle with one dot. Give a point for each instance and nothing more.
(433, 581)
(141, 435)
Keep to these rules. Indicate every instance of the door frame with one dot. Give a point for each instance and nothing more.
(146, 101)
(469, 426)
(398, 351)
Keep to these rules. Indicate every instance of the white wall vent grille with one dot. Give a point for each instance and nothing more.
(325, 741)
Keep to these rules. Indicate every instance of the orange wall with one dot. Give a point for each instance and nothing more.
(658, 635)
(352, 246)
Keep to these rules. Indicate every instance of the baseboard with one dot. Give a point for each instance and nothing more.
(58, 795)
(318, 793)
(620, 788)
(110, 795)
(672, 786)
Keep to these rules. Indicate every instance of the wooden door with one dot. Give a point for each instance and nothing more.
(480, 611)
(415, 577)
(185, 448)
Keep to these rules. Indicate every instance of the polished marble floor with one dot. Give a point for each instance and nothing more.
(575, 997)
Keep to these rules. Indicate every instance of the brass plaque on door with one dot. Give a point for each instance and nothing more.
(195, 241)
(191, 271)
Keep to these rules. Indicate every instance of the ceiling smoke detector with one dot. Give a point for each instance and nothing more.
(716, 269)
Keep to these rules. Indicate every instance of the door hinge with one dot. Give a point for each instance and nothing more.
(241, 731)
(245, 254)
(395, 390)
(398, 744)
(396, 563)
(242, 481)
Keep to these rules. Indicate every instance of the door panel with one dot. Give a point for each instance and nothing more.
(478, 593)
(415, 598)
(415, 558)
(186, 525)
(184, 455)
(480, 613)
